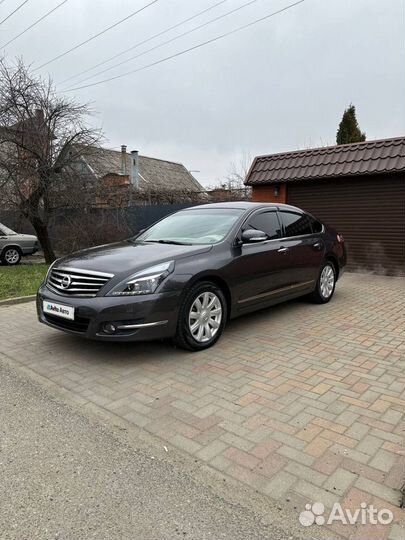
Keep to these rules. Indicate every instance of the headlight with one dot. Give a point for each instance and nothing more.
(143, 282)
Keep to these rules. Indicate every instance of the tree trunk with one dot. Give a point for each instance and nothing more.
(43, 236)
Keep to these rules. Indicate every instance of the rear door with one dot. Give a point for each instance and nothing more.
(302, 237)
(259, 269)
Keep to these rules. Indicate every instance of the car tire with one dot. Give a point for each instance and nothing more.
(11, 256)
(325, 286)
(203, 311)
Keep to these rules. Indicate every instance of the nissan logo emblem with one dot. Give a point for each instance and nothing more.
(65, 283)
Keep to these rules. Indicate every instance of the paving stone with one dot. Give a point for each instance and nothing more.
(185, 444)
(314, 493)
(311, 395)
(347, 418)
(383, 460)
(211, 450)
(328, 463)
(340, 481)
(386, 436)
(221, 463)
(271, 465)
(383, 492)
(369, 445)
(306, 473)
(233, 440)
(397, 532)
(279, 484)
(296, 455)
(241, 458)
(264, 448)
(317, 447)
(392, 416)
(357, 431)
(364, 471)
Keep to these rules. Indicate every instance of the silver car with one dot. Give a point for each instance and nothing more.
(14, 245)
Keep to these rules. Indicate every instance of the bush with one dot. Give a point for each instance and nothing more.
(87, 230)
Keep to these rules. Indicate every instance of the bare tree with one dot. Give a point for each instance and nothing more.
(41, 137)
(232, 187)
(238, 171)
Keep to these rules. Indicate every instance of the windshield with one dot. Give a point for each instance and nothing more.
(5, 230)
(202, 226)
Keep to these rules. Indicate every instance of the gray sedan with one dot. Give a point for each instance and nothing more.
(14, 245)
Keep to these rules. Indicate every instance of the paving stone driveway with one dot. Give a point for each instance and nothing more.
(302, 402)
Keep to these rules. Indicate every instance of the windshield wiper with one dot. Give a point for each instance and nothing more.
(176, 242)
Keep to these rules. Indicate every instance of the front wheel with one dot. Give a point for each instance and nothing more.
(11, 256)
(202, 317)
(325, 286)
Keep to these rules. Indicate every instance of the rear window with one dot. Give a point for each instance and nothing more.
(296, 224)
(316, 225)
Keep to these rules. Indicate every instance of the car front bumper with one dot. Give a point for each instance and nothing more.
(142, 318)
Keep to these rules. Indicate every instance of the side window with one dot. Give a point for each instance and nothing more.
(2, 233)
(264, 221)
(296, 224)
(316, 225)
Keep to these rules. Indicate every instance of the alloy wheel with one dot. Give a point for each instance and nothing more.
(205, 317)
(327, 281)
(12, 256)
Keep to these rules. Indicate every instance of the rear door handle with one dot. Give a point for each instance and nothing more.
(283, 250)
(317, 245)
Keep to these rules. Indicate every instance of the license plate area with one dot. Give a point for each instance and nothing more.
(58, 310)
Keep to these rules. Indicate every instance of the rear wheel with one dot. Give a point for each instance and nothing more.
(11, 256)
(325, 286)
(202, 317)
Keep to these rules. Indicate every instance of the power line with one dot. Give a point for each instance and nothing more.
(144, 41)
(96, 35)
(170, 40)
(34, 23)
(15, 11)
(199, 45)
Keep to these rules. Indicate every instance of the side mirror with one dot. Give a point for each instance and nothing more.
(253, 235)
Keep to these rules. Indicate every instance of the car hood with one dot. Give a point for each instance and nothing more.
(127, 257)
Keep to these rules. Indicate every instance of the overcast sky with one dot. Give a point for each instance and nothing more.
(280, 85)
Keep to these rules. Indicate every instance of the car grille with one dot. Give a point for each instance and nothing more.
(80, 324)
(76, 282)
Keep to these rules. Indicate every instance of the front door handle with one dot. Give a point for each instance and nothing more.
(283, 250)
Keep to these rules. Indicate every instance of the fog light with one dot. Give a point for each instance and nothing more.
(109, 328)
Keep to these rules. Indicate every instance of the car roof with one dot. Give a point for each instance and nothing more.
(243, 205)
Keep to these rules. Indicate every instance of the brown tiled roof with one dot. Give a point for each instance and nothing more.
(155, 174)
(370, 157)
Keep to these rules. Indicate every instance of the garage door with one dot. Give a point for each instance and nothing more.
(369, 212)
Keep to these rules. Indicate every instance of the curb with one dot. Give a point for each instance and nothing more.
(17, 300)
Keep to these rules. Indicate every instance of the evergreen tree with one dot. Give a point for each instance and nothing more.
(349, 131)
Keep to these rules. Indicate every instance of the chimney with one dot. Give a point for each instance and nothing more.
(135, 168)
(123, 160)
